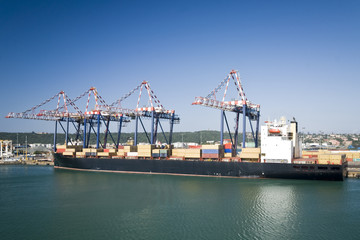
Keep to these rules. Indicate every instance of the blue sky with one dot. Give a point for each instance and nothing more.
(296, 58)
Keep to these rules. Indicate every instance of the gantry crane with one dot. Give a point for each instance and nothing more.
(100, 113)
(241, 106)
(155, 111)
(60, 114)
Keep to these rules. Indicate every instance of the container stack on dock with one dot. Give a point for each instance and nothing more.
(228, 150)
(250, 154)
(212, 151)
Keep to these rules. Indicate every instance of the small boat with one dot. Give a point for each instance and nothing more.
(274, 130)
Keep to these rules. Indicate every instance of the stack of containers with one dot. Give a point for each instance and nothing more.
(356, 156)
(164, 153)
(69, 152)
(193, 153)
(156, 153)
(336, 159)
(80, 155)
(178, 152)
(304, 161)
(124, 151)
(310, 154)
(130, 148)
(227, 150)
(349, 156)
(145, 150)
(252, 154)
(90, 152)
(131, 154)
(103, 154)
(107, 153)
(212, 151)
(121, 151)
(110, 150)
(60, 148)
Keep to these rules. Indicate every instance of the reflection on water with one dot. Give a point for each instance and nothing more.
(276, 208)
(89, 205)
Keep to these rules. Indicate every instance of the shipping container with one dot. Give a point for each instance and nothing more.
(210, 151)
(218, 147)
(227, 150)
(228, 146)
(130, 148)
(155, 155)
(68, 153)
(251, 150)
(249, 155)
(210, 155)
(132, 154)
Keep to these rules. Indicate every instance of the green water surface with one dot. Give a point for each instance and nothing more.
(45, 203)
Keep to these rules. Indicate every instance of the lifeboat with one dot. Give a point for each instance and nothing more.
(274, 130)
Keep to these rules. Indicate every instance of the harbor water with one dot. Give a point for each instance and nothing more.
(40, 202)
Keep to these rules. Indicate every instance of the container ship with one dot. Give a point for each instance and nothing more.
(280, 156)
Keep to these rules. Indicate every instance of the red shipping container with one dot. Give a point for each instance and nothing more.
(121, 147)
(106, 150)
(228, 146)
(193, 146)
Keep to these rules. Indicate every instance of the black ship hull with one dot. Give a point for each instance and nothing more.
(205, 168)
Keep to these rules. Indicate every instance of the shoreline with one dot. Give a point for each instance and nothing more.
(29, 162)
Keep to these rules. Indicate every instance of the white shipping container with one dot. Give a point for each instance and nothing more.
(132, 154)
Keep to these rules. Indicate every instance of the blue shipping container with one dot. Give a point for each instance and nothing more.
(211, 151)
(227, 150)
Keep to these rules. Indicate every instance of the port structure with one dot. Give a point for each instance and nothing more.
(154, 111)
(90, 120)
(242, 106)
(95, 116)
(68, 112)
(60, 114)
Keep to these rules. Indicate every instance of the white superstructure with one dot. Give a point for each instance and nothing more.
(280, 142)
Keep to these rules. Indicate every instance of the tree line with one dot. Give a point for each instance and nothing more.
(199, 137)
